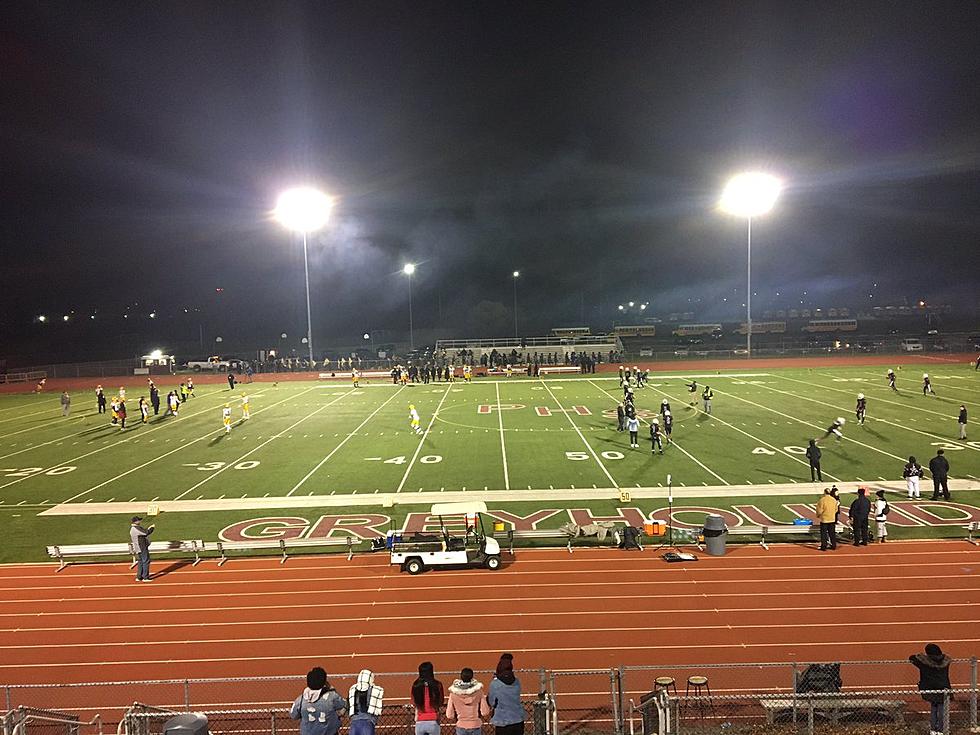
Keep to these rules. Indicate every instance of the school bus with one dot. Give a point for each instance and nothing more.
(625, 330)
(690, 330)
(831, 325)
(762, 328)
(570, 332)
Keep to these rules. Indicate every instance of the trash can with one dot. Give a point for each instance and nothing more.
(191, 723)
(714, 534)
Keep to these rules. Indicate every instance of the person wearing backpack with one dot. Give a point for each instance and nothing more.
(882, 509)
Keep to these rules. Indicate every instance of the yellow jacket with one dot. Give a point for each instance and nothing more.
(827, 508)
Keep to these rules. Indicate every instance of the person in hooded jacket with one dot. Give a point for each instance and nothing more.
(933, 666)
(318, 707)
(428, 697)
(505, 699)
(364, 703)
(467, 704)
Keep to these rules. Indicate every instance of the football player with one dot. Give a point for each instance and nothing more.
(226, 417)
(927, 385)
(664, 407)
(891, 379)
(656, 440)
(835, 429)
(246, 412)
(861, 409)
(413, 416)
(668, 425)
(144, 410)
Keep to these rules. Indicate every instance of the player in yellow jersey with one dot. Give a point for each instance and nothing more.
(355, 377)
(467, 374)
(190, 387)
(413, 415)
(226, 417)
(144, 410)
(246, 413)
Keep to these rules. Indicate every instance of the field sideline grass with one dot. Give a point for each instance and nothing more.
(310, 438)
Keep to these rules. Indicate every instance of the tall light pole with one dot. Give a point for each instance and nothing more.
(304, 210)
(517, 274)
(750, 195)
(408, 270)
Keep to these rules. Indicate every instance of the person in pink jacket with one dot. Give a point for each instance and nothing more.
(467, 704)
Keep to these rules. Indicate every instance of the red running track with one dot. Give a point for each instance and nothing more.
(599, 608)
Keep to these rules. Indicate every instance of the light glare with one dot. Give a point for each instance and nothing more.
(517, 274)
(409, 269)
(750, 194)
(303, 209)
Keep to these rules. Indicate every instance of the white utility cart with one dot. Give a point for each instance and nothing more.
(472, 548)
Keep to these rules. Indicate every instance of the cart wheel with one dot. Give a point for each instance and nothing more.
(414, 566)
(493, 562)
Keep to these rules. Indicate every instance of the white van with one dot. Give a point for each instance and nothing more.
(911, 345)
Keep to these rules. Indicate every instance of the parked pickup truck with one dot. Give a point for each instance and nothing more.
(215, 363)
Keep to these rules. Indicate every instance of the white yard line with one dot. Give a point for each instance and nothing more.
(65, 437)
(255, 449)
(183, 445)
(143, 432)
(581, 435)
(807, 423)
(870, 418)
(673, 443)
(323, 461)
(503, 449)
(428, 428)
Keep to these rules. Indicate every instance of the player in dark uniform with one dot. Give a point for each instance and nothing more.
(891, 379)
(861, 409)
(664, 407)
(692, 388)
(835, 429)
(927, 385)
(668, 425)
(656, 438)
(620, 417)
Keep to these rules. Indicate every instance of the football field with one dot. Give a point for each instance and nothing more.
(517, 435)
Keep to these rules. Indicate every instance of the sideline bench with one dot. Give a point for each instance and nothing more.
(556, 533)
(834, 709)
(65, 554)
(557, 369)
(788, 529)
(283, 544)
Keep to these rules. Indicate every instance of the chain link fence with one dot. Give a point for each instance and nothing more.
(616, 701)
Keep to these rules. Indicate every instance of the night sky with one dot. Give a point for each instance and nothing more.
(142, 147)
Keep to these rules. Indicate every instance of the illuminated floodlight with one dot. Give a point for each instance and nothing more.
(65, 318)
(642, 306)
(303, 209)
(408, 269)
(621, 307)
(517, 274)
(42, 318)
(631, 304)
(750, 194)
(153, 315)
(366, 335)
(156, 354)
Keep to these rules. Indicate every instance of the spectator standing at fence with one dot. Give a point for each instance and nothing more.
(860, 517)
(813, 455)
(364, 704)
(428, 697)
(939, 469)
(139, 538)
(827, 508)
(881, 510)
(318, 708)
(467, 704)
(933, 666)
(65, 403)
(912, 472)
(961, 420)
(505, 699)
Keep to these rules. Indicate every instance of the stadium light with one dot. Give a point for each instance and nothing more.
(42, 318)
(409, 269)
(517, 274)
(156, 354)
(65, 318)
(749, 195)
(304, 210)
(621, 307)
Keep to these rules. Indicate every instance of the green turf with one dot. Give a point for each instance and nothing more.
(327, 439)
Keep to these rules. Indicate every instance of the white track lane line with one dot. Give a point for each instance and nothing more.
(425, 435)
(142, 433)
(582, 436)
(674, 443)
(267, 441)
(503, 449)
(494, 651)
(183, 446)
(323, 461)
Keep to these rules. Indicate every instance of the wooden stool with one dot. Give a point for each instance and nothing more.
(666, 683)
(701, 696)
